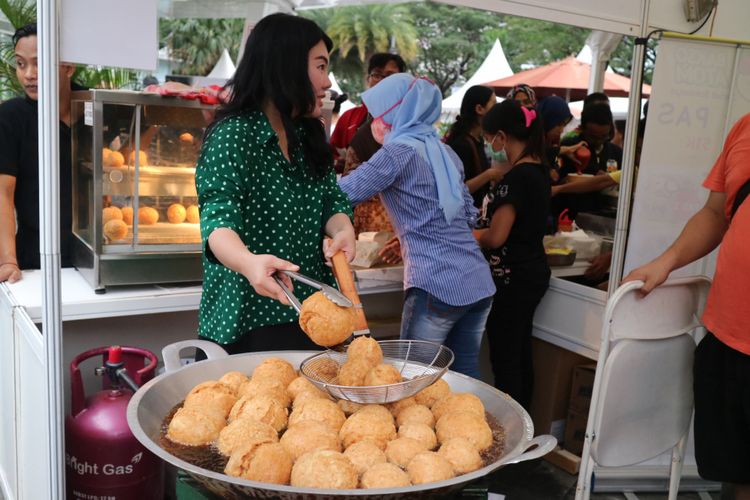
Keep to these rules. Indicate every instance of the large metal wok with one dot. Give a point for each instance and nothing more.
(155, 399)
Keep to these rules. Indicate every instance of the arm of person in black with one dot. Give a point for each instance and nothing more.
(10, 151)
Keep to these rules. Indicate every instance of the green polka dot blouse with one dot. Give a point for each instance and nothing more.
(277, 207)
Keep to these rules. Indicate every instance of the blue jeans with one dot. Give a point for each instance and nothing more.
(460, 328)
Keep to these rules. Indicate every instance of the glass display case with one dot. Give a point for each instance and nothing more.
(135, 207)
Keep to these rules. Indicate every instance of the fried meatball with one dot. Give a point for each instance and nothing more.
(127, 215)
(385, 475)
(383, 374)
(324, 469)
(276, 368)
(467, 425)
(244, 431)
(396, 407)
(353, 372)
(461, 454)
(305, 396)
(115, 229)
(363, 455)
(419, 432)
(368, 424)
(193, 216)
(433, 393)
(326, 323)
(148, 216)
(176, 213)
(192, 427)
(142, 158)
(349, 407)
(264, 462)
(367, 349)
(111, 213)
(416, 414)
(212, 396)
(265, 385)
(321, 410)
(428, 467)
(308, 436)
(263, 408)
(400, 451)
(463, 401)
(234, 380)
(298, 385)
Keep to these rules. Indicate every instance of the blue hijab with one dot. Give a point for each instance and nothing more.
(412, 105)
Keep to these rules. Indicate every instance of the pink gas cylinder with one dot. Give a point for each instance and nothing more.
(104, 461)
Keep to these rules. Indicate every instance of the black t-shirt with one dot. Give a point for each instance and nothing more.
(471, 153)
(527, 187)
(19, 157)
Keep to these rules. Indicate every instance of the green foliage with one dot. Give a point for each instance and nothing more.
(19, 13)
(197, 44)
(622, 58)
(106, 78)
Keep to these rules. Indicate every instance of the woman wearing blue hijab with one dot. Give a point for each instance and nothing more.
(447, 282)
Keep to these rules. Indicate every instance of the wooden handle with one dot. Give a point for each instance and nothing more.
(345, 279)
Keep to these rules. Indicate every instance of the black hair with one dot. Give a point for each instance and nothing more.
(598, 113)
(595, 98)
(263, 76)
(508, 117)
(23, 32)
(380, 59)
(476, 95)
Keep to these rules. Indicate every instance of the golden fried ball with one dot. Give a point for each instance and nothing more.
(463, 401)
(324, 469)
(115, 229)
(106, 157)
(353, 372)
(148, 215)
(211, 396)
(193, 216)
(467, 425)
(176, 213)
(193, 427)
(378, 411)
(349, 407)
(265, 385)
(396, 407)
(264, 408)
(111, 213)
(385, 475)
(433, 393)
(186, 137)
(234, 380)
(461, 454)
(383, 374)
(308, 436)
(305, 396)
(368, 425)
(416, 414)
(367, 349)
(264, 462)
(298, 385)
(243, 431)
(116, 159)
(127, 215)
(275, 368)
(400, 451)
(428, 467)
(326, 323)
(364, 455)
(419, 432)
(321, 410)
(142, 158)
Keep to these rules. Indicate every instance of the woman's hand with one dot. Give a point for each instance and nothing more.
(259, 270)
(391, 252)
(9, 272)
(341, 232)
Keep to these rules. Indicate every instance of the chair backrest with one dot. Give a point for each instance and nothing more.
(643, 397)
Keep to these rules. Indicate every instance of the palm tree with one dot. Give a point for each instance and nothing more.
(198, 43)
(19, 13)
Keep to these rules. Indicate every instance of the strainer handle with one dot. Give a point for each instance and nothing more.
(542, 445)
(345, 279)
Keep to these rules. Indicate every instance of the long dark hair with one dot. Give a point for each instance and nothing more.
(274, 68)
(476, 95)
(510, 118)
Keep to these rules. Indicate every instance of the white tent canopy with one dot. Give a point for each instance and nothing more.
(224, 68)
(494, 67)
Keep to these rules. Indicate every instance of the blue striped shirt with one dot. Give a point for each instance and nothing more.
(442, 259)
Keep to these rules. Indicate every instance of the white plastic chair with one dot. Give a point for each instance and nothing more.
(642, 399)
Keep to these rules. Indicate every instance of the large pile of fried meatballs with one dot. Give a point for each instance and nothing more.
(277, 427)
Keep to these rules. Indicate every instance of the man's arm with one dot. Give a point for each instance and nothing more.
(702, 233)
(585, 185)
(9, 270)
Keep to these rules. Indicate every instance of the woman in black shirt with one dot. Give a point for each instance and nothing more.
(515, 216)
(465, 138)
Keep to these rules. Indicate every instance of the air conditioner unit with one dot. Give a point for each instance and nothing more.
(696, 10)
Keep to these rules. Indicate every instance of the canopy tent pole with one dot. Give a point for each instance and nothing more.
(49, 217)
(624, 201)
(602, 44)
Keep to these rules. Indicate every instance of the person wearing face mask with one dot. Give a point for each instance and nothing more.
(514, 223)
(267, 191)
(448, 287)
(19, 164)
(465, 138)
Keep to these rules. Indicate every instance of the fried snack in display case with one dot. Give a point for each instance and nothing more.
(135, 206)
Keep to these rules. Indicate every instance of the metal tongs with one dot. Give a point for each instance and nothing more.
(329, 292)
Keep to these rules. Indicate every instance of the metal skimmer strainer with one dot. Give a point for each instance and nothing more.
(420, 362)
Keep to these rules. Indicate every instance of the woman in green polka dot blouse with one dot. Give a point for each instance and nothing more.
(267, 191)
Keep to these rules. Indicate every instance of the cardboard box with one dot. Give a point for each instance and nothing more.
(582, 387)
(575, 431)
(553, 373)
